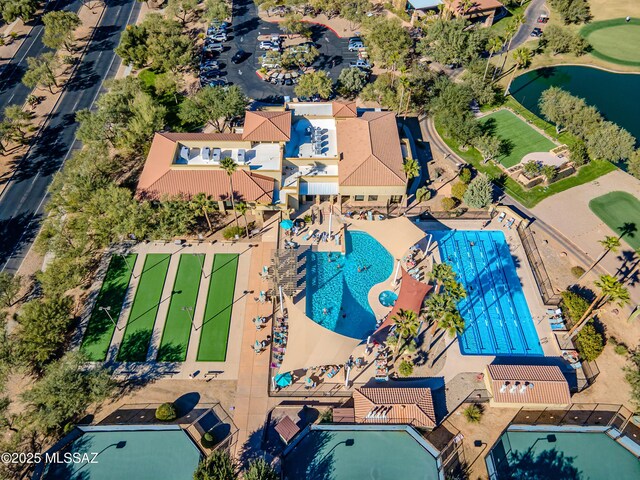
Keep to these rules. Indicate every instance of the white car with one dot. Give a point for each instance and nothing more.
(218, 37)
(353, 46)
(269, 46)
(361, 64)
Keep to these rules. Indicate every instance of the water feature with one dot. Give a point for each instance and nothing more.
(615, 95)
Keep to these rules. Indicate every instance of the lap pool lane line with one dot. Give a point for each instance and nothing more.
(494, 266)
(100, 329)
(146, 302)
(499, 347)
(178, 324)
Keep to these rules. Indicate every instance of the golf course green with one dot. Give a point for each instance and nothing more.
(137, 335)
(616, 40)
(97, 338)
(217, 316)
(177, 328)
(620, 211)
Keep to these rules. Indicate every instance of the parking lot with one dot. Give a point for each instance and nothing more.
(243, 35)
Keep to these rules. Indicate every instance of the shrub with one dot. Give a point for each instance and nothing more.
(448, 203)
(573, 305)
(208, 440)
(473, 413)
(577, 271)
(550, 172)
(465, 175)
(405, 369)
(230, 233)
(621, 349)
(589, 342)
(218, 465)
(458, 189)
(632, 376)
(326, 416)
(166, 412)
(423, 194)
(479, 194)
(260, 470)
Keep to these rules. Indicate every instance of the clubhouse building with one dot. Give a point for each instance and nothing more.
(300, 153)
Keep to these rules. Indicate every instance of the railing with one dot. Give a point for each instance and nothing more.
(549, 295)
(300, 390)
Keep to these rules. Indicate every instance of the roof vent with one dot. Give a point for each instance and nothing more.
(504, 387)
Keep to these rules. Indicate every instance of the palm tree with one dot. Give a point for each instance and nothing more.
(509, 33)
(452, 322)
(455, 290)
(242, 209)
(205, 204)
(522, 58)
(229, 165)
(611, 290)
(411, 168)
(610, 244)
(406, 323)
(465, 5)
(437, 305)
(494, 45)
(442, 273)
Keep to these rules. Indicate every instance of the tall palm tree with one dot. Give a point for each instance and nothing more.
(242, 209)
(522, 58)
(452, 323)
(455, 290)
(411, 168)
(494, 45)
(229, 165)
(205, 204)
(611, 290)
(437, 305)
(406, 323)
(610, 244)
(509, 33)
(442, 273)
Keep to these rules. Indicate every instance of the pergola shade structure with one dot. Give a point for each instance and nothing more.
(288, 272)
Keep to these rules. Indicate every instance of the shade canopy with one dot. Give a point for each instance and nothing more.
(397, 235)
(412, 293)
(283, 379)
(309, 344)
(286, 224)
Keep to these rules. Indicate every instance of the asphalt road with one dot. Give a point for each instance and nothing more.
(247, 26)
(531, 14)
(12, 90)
(22, 203)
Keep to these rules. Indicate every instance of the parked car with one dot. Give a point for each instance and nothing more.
(213, 47)
(266, 45)
(204, 64)
(355, 46)
(220, 82)
(536, 32)
(361, 64)
(543, 18)
(239, 56)
(218, 37)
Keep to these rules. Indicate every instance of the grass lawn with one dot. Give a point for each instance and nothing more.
(170, 102)
(621, 212)
(177, 328)
(518, 137)
(137, 335)
(500, 26)
(97, 338)
(615, 41)
(217, 316)
(529, 197)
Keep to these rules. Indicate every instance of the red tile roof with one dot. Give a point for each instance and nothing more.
(400, 405)
(344, 109)
(287, 429)
(535, 384)
(160, 177)
(371, 152)
(267, 126)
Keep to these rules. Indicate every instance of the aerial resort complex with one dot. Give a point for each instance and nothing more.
(321, 240)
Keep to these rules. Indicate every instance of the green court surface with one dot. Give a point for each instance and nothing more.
(615, 41)
(177, 328)
(217, 315)
(518, 138)
(97, 338)
(137, 335)
(621, 212)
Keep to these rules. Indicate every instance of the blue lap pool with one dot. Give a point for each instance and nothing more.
(338, 285)
(497, 318)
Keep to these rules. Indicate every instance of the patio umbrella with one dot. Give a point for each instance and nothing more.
(284, 379)
(286, 224)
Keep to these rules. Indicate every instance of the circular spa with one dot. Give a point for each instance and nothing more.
(388, 298)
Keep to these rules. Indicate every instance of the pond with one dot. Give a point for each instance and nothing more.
(615, 95)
